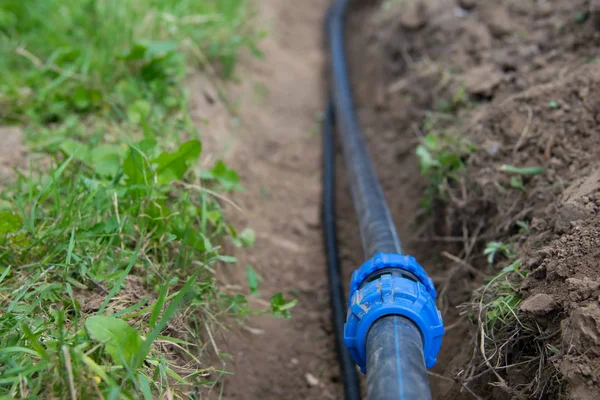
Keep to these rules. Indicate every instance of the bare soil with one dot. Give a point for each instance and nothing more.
(519, 80)
(277, 150)
(12, 152)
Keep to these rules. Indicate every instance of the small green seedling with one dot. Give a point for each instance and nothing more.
(281, 306)
(554, 105)
(442, 158)
(492, 249)
(581, 17)
(517, 182)
(253, 279)
(523, 226)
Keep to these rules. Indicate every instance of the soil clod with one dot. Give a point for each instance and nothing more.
(539, 304)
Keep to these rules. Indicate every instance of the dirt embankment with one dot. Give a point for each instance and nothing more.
(520, 81)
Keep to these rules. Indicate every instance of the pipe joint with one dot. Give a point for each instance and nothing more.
(391, 294)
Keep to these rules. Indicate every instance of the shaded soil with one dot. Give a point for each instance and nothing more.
(275, 146)
(519, 80)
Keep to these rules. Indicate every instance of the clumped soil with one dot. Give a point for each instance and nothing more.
(519, 80)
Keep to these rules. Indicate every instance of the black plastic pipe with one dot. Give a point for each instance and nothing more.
(392, 342)
(394, 354)
(377, 229)
(338, 300)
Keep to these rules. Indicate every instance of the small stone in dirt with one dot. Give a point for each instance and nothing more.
(540, 303)
(483, 80)
(312, 217)
(585, 325)
(414, 15)
(294, 361)
(544, 9)
(311, 379)
(581, 289)
(467, 4)
(492, 146)
(499, 21)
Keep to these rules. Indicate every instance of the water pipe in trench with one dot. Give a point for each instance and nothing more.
(390, 326)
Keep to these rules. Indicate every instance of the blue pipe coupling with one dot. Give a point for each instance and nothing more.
(390, 294)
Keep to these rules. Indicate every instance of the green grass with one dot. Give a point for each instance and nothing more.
(495, 248)
(442, 155)
(61, 57)
(496, 303)
(110, 241)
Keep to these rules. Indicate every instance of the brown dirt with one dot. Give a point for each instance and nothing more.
(519, 80)
(12, 152)
(277, 153)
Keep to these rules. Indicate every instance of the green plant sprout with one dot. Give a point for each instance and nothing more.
(492, 249)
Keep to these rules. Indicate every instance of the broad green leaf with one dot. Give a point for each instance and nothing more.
(136, 52)
(248, 237)
(9, 223)
(431, 141)
(159, 48)
(252, 279)
(173, 166)
(91, 184)
(138, 111)
(137, 168)
(81, 98)
(514, 267)
(122, 342)
(214, 216)
(77, 150)
(280, 306)
(227, 177)
(244, 239)
(517, 182)
(426, 160)
(106, 160)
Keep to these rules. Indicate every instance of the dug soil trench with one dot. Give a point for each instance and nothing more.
(482, 119)
(500, 102)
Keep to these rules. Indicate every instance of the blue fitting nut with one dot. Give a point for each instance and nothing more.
(392, 295)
